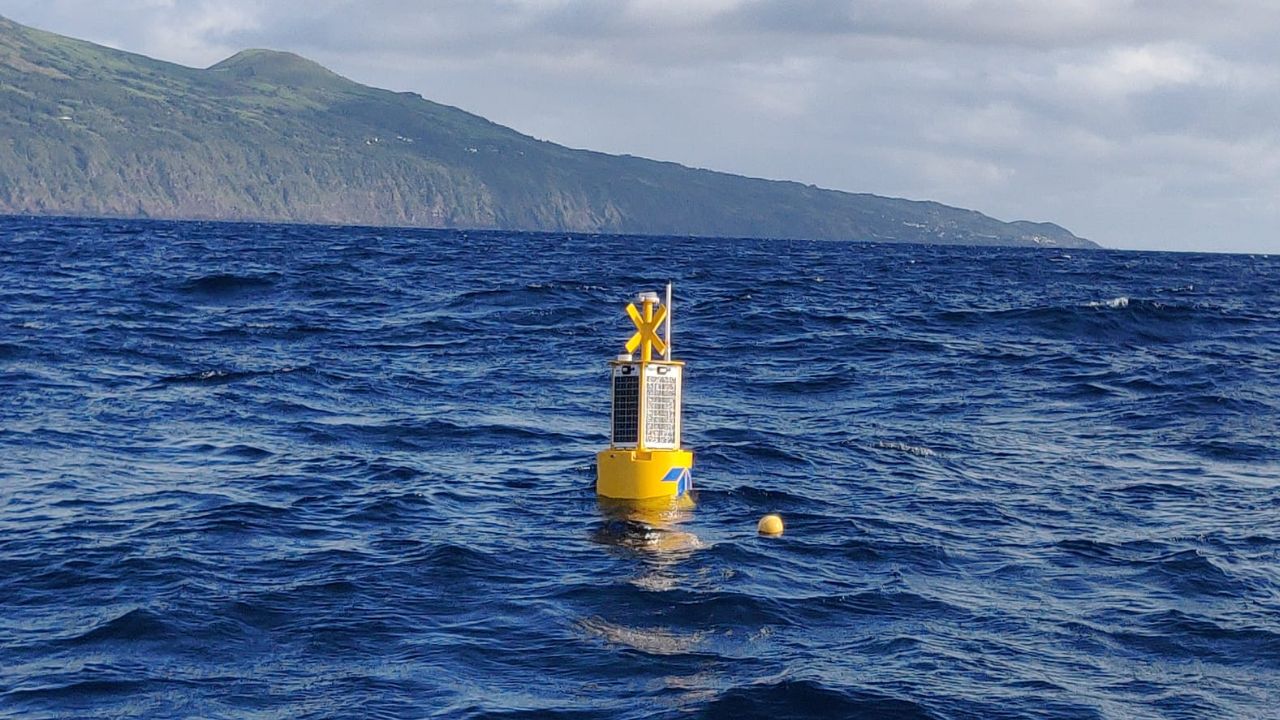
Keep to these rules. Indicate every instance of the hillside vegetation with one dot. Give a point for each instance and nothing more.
(264, 135)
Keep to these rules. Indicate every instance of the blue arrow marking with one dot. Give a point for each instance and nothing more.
(681, 477)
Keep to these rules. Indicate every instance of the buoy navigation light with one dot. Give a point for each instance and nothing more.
(644, 459)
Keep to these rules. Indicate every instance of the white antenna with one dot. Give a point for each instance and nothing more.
(667, 329)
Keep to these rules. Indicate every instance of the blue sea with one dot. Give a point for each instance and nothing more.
(265, 471)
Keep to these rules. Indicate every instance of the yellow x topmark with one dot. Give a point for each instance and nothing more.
(647, 325)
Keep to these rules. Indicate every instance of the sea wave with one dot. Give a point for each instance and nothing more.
(277, 470)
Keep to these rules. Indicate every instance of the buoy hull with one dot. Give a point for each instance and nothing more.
(643, 474)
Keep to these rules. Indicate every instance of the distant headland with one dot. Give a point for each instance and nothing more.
(265, 135)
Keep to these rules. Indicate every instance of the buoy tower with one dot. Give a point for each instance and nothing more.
(644, 459)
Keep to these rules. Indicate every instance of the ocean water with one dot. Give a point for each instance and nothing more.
(255, 471)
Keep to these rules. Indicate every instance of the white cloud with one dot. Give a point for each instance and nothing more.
(197, 33)
(1124, 71)
(676, 13)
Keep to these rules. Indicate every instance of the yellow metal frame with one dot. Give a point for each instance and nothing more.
(647, 324)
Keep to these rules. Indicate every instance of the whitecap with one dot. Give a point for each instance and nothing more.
(904, 447)
(1114, 303)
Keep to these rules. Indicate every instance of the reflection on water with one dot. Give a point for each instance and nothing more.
(654, 641)
(650, 526)
(649, 531)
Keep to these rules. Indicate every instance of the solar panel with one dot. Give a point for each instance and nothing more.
(626, 405)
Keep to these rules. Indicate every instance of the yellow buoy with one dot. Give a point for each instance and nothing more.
(644, 459)
(770, 524)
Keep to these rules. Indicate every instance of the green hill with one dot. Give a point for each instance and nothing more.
(263, 135)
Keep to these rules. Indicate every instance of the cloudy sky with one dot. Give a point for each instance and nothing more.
(1148, 124)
